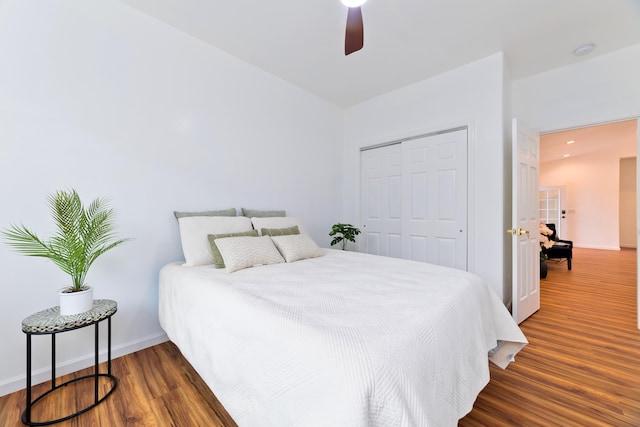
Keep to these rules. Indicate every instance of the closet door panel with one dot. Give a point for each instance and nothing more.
(381, 200)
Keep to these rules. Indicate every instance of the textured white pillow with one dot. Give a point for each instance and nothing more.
(275, 222)
(297, 246)
(194, 231)
(247, 251)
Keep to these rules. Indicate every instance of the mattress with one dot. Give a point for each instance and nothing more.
(346, 339)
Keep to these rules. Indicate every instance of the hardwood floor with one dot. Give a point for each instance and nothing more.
(156, 387)
(582, 364)
(581, 368)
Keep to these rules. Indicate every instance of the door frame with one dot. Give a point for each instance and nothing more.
(570, 126)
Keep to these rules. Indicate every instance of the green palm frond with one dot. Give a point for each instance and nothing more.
(81, 236)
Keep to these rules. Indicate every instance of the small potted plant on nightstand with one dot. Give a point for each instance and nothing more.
(343, 232)
(82, 235)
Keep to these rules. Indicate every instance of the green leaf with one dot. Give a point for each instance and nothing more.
(345, 232)
(81, 236)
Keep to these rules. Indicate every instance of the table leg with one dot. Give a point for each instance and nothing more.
(109, 346)
(53, 361)
(97, 367)
(28, 410)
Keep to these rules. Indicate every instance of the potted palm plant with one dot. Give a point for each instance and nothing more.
(82, 235)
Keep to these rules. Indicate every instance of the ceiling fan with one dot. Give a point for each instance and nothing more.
(354, 35)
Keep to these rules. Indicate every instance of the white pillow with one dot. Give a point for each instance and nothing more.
(247, 251)
(275, 222)
(194, 231)
(295, 247)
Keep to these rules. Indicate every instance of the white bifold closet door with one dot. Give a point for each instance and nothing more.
(414, 199)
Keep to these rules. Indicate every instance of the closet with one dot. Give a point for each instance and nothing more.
(414, 199)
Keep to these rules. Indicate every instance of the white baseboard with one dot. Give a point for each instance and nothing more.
(41, 375)
(606, 248)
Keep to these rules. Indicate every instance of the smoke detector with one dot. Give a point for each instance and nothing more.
(585, 49)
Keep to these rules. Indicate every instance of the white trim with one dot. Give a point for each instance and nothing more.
(410, 138)
(471, 197)
(38, 376)
(604, 248)
(638, 224)
(588, 125)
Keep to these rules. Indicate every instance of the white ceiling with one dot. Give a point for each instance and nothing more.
(406, 41)
(588, 140)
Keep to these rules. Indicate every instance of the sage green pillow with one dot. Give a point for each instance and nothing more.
(280, 231)
(217, 256)
(225, 212)
(254, 213)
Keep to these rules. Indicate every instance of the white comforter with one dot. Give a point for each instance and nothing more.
(347, 339)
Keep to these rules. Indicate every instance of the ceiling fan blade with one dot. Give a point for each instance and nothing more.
(354, 36)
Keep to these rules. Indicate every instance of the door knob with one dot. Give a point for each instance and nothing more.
(517, 231)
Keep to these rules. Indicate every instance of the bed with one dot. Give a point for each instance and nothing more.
(342, 339)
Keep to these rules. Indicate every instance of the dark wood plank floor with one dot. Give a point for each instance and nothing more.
(581, 368)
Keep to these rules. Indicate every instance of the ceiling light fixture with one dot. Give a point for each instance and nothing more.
(354, 33)
(585, 49)
(353, 3)
(567, 155)
(571, 142)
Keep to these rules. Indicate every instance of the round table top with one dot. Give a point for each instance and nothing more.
(50, 321)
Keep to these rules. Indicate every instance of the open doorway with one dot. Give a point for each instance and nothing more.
(587, 162)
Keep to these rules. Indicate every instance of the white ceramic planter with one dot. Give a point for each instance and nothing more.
(75, 302)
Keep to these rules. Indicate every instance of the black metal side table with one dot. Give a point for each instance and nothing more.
(50, 322)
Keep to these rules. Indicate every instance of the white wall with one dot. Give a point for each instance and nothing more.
(628, 202)
(97, 96)
(507, 189)
(468, 96)
(597, 90)
(592, 182)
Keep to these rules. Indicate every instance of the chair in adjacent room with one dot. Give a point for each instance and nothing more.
(561, 249)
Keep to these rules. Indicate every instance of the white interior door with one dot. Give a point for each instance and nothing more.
(434, 225)
(414, 199)
(381, 200)
(525, 222)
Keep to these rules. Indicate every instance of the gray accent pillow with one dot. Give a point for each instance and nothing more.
(280, 231)
(254, 213)
(225, 212)
(217, 256)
